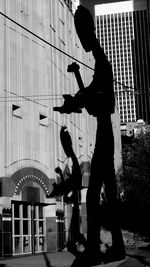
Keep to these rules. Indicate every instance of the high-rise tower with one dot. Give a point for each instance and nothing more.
(122, 28)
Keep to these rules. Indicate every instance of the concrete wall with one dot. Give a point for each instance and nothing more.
(33, 77)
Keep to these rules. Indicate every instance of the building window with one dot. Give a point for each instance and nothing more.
(16, 111)
(43, 120)
(29, 225)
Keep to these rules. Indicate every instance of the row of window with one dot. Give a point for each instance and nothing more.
(123, 73)
(128, 114)
(115, 19)
(115, 26)
(124, 64)
(118, 16)
(115, 33)
(126, 108)
(129, 103)
(123, 21)
(117, 45)
(16, 112)
(127, 118)
(126, 98)
(112, 37)
(121, 55)
(122, 50)
(127, 66)
(121, 43)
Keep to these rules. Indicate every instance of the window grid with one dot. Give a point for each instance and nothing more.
(115, 33)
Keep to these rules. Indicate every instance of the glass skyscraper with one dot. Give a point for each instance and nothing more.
(122, 28)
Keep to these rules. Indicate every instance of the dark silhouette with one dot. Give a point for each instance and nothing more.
(98, 99)
(70, 189)
(74, 181)
(75, 238)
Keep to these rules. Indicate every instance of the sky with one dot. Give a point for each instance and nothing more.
(126, 6)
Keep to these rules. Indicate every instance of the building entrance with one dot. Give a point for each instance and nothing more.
(28, 228)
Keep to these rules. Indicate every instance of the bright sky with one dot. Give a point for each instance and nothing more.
(76, 3)
(112, 8)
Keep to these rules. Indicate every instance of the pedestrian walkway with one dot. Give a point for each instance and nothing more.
(134, 258)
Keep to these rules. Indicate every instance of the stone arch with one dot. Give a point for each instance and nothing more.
(25, 175)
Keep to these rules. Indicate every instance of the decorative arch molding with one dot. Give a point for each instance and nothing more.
(25, 175)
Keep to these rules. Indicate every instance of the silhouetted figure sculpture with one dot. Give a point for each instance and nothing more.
(70, 189)
(98, 99)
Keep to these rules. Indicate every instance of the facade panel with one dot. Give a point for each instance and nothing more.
(34, 57)
(122, 28)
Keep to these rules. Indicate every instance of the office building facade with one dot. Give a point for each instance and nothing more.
(38, 42)
(122, 28)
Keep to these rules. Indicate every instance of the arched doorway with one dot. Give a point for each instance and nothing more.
(28, 228)
(28, 216)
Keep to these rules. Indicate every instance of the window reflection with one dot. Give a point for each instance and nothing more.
(40, 212)
(40, 227)
(28, 221)
(41, 243)
(16, 211)
(17, 245)
(17, 227)
(25, 211)
(26, 244)
(25, 228)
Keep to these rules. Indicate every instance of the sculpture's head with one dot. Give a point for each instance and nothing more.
(85, 27)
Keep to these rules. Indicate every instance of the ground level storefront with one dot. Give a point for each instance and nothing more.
(30, 222)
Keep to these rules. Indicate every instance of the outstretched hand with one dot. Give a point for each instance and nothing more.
(68, 106)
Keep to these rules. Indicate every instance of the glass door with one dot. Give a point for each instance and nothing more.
(28, 228)
(38, 229)
(21, 228)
